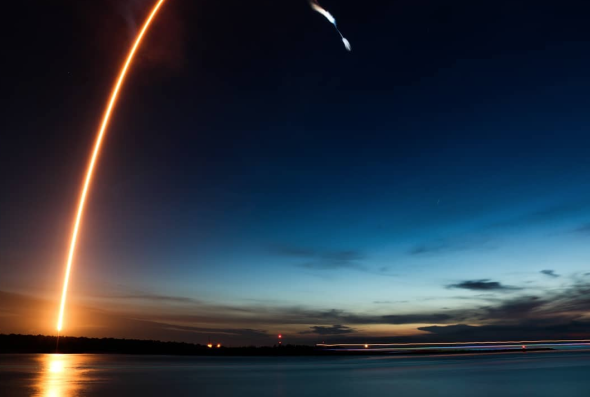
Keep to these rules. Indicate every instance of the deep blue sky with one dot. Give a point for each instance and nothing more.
(258, 178)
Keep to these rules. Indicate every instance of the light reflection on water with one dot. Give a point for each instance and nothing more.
(542, 374)
(61, 375)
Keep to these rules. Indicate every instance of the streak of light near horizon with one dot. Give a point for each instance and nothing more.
(550, 341)
(95, 153)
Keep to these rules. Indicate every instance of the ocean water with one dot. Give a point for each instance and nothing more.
(554, 373)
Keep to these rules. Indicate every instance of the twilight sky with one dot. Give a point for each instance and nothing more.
(257, 178)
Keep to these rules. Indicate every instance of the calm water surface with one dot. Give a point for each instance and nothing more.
(514, 374)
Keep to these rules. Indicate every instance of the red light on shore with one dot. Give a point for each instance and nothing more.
(524, 346)
(280, 336)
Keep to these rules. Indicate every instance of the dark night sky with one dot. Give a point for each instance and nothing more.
(258, 178)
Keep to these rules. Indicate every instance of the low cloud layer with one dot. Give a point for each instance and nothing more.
(333, 330)
(482, 285)
(560, 313)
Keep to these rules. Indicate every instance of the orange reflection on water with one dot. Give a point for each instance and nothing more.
(61, 375)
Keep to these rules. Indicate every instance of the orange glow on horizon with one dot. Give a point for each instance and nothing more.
(94, 157)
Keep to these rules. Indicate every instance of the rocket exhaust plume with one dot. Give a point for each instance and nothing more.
(96, 151)
(318, 8)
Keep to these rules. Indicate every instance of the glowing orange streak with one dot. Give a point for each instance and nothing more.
(95, 152)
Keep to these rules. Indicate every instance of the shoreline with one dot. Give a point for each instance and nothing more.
(41, 344)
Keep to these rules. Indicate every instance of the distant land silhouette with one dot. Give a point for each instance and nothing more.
(68, 345)
(29, 344)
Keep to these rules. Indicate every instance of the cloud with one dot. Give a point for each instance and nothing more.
(344, 317)
(457, 244)
(557, 313)
(340, 255)
(331, 265)
(333, 330)
(236, 332)
(465, 243)
(29, 315)
(550, 273)
(431, 248)
(157, 298)
(431, 318)
(583, 229)
(263, 316)
(528, 330)
(482, 285)
(448, 329)
(486, 237)
(388, 302)
(517, 308)
(324, 259)
(556, 212)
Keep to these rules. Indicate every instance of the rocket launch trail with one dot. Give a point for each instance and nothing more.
(95, 153)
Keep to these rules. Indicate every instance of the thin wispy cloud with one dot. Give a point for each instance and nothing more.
(583, 229)
(388, 302)
(330, 260)
(443, 246)
(487, 236)
(482, 285)
(323, 259)
(333, 330)
(157, 298)
(548, 214)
